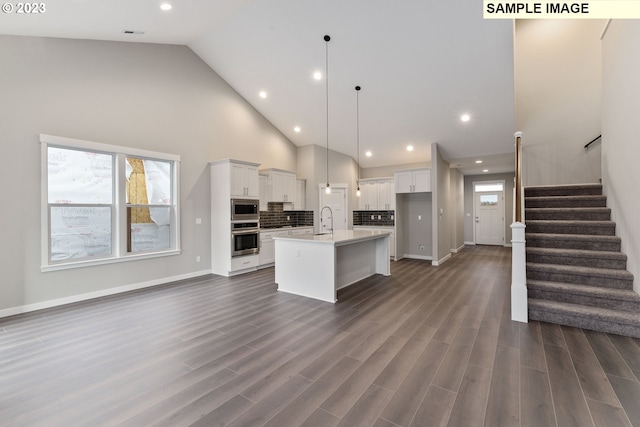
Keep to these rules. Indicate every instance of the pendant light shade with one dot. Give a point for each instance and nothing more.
(358, 139)
(326, 79)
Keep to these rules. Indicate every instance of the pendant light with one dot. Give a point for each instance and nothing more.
(326, 79)
(358, 139)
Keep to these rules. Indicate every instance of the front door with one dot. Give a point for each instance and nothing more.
(489, 218)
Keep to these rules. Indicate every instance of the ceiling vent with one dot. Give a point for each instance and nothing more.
(132, 32)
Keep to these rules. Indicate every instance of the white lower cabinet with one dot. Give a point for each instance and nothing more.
(267, 244)
(244, 262)
(392, 237)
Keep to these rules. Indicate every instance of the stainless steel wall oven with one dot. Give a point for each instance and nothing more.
(245, 238)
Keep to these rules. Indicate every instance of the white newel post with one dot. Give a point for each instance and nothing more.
(518, 274)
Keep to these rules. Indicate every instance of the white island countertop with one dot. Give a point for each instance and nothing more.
(339, 237)
(317, 266)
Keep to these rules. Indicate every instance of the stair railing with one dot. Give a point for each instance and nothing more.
(519, 310)
(588, 145)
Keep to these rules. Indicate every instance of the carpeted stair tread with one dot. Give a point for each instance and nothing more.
(577, 257)
(581, 214)
(581, 316)
(576, 274)
(604, 277)
(615, 299)
(563, 190)
(592, 201)
(603, 228)
(573, 241)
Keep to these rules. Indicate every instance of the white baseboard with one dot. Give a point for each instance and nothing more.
(456, 250)
(470, 243)
(424, 257)
(97, 294)
(442, 260)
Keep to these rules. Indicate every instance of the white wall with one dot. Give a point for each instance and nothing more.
(387, 171)
(441, 217)
(414, 233)
(620, 134)
(558, 99)
(456, 209)
(312, 165)
(148, 96)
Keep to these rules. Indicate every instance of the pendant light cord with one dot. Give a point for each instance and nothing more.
(326, 77)
(358, 132)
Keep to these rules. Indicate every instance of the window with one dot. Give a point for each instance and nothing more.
(498, 186)
(104, 203)
(488, 200)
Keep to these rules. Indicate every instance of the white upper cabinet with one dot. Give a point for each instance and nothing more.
(422, 181)
(301, 194)
(244, 180)
(386, 195)
(368, 200)
(262, 179)
(281, 186)
(377, 195)
(413, 181)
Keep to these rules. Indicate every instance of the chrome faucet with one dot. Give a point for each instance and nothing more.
(331, 217)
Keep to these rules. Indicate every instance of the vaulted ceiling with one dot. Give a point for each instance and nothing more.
(421, 66)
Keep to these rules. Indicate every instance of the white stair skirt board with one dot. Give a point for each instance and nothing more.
(519, 301)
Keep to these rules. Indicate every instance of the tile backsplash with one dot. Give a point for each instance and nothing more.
(276, 216)
(386, 218)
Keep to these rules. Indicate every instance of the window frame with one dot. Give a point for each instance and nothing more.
(119, 206)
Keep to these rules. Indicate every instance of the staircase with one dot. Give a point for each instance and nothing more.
(576, 274)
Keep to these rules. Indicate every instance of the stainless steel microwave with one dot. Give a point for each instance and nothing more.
(245, 210)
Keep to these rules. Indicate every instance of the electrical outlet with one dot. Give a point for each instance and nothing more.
(379, 216)
(419, 217)
(198, 221)
(198, 258)
(421, 247)
(372, 216)
(288, 218)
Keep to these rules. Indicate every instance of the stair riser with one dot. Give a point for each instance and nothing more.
(603, 282)
(585, 323)
(614, 304)
(568, 215)
(565, 203)
(613, 264)
(595, 190)
(591, 230)
(572, 244)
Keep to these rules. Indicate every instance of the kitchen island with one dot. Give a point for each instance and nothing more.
(316, 266)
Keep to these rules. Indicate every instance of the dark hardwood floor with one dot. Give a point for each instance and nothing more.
(427, 346)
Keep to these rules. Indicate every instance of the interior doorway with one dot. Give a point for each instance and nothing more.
(337, 201)
(489, 213)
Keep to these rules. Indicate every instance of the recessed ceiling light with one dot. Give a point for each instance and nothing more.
(263, 94)
(465, 118)
(409, 147)
(478, 161)
(317, 75)
(166, 6)
(485, 170)
(296, 129)
(368, 154)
